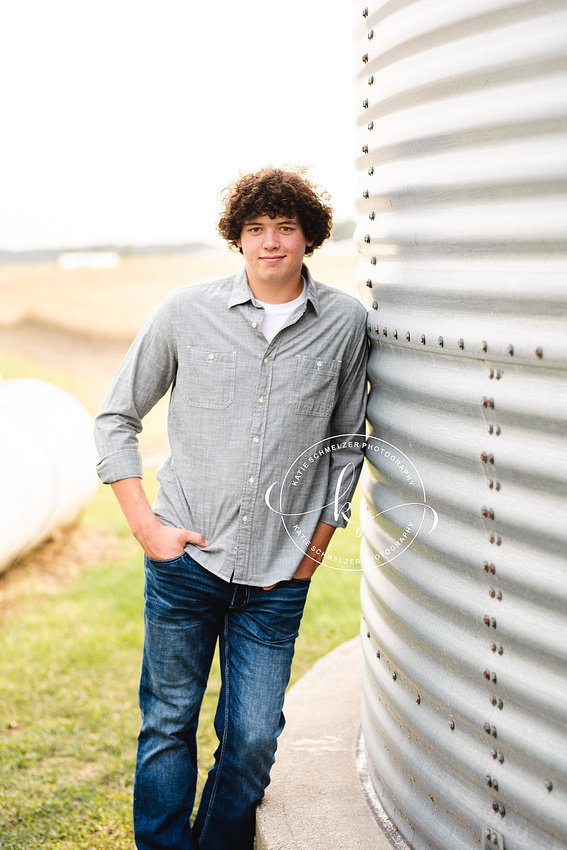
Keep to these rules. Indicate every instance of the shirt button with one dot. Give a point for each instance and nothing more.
(319, 364)
(251, 480)
(256, 439)
(254, 324)
(265, 360)
(211, 356)
(261, 400)
(244, 519)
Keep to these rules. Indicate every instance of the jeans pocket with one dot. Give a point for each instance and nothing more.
(165, 562)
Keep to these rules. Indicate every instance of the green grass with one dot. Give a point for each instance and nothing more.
(69, 667)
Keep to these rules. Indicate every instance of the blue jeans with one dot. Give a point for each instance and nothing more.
(187, 609)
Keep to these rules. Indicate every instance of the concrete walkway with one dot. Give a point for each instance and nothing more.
(315, 800)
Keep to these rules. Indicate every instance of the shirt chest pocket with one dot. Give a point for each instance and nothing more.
(314, 386)
(209, 378)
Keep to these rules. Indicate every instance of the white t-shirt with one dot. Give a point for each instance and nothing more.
(276, 315)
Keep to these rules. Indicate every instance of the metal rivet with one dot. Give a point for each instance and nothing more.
(486, 620)
(364, 148)
(408, 336)
(366, 193)
(497, 430)
(499, 595)
(365, 103)
(548, 785)
(486, 727)
(500, 758)
(365, 57)
(493, 677)
(484, 345)
(489, 783)
(493, 622)
(493, 731)
(395, 334)
(372, 216)
(495, 784)
(422, 339)
(539, 352)
(365, 12)
(494, 754)
(367, 634)
(451, 725)
(501, 810)
(486, 674)
(495, 806)
(370, 35)
(493, 702)
(461, 343)
(378, 655)
(440, 341)
(418, 701)
(370, 125)
(510, 350)
(371, 170)
(374, 305)
(491, 592)
(500, 650)
(483, 511)
(394, 676)
(493, 647)
(499, 704)
(384, 331)
(489, 483)
(372, 261)
(367, 238)
(371, 80)
(369, 283)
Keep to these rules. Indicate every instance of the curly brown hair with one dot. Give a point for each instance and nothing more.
(276, 192)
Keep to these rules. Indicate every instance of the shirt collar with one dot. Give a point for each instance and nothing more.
(241, 292)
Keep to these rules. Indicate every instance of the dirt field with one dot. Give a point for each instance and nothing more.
(83, 320)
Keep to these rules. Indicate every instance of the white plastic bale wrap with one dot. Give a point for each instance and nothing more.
(462, 234)
(47, 463)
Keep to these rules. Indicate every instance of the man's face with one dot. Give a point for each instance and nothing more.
(273, 249)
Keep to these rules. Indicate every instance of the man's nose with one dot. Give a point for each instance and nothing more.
(271, 238)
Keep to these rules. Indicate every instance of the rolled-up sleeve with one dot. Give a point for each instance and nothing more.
(348, 430)
(147, 372)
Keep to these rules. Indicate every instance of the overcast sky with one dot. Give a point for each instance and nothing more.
(123, 119)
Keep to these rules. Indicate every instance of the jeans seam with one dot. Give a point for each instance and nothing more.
(224, 732)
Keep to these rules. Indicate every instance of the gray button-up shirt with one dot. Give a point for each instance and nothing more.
(262, 435)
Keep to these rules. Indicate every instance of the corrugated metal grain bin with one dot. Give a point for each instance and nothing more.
(462, 233)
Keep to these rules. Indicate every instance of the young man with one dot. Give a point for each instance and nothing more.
(264, 367)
